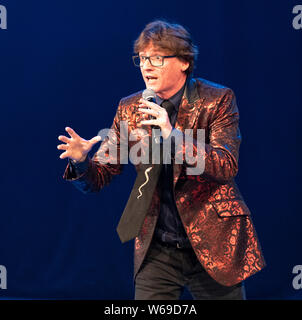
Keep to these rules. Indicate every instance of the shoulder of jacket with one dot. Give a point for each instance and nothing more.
(206, 87)
(133, 98)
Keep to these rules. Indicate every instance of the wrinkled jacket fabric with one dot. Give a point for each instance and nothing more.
(216, 219)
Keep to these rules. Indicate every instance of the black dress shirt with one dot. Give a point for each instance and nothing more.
(169, 228)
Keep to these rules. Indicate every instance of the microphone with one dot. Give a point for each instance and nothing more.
(149, 95)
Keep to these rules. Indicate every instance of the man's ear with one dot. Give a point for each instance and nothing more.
(185, 66)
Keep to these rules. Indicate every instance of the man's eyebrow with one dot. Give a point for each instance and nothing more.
(153, 54)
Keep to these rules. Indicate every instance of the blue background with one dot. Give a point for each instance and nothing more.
(68, 63)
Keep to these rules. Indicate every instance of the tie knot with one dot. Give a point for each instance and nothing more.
(168, 105)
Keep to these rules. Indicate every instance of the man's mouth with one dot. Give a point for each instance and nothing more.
(151, 78)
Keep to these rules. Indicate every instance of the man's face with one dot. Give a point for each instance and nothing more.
(166, 80)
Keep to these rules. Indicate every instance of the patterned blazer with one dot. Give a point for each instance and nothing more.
(216, 219)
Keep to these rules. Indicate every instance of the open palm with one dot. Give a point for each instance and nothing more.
(76, 148)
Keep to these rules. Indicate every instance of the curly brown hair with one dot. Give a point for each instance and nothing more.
(173, 38)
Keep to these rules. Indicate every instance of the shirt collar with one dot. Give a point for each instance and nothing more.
(175, 99)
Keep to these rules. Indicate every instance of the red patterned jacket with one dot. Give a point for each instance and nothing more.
(217, 221)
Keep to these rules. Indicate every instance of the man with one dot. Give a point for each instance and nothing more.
(197, 231)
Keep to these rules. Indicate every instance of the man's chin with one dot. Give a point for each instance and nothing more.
(154, 88)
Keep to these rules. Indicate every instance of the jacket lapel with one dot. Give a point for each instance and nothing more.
(187, 114)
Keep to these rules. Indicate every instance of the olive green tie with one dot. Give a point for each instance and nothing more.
(141, 195)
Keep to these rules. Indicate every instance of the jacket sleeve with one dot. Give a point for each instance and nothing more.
(96, 172)
(217, 160)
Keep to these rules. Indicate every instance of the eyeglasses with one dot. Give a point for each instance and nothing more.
(155, 61)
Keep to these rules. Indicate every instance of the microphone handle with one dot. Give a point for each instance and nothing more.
(156, 136)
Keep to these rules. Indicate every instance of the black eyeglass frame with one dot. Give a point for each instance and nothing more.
(148, 58)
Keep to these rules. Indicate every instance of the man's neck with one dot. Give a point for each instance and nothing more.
(172, 92)
(175, 99)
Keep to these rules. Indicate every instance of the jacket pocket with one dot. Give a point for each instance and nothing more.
(230, 208)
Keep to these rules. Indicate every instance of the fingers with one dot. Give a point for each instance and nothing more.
(151, 105)
(64, 139)
(72, 133)
(95, 139)
(154, 110)
(63, 146)
(64, 155)
(152, 122)
(78, 144)
(66, 146)
(149, 111)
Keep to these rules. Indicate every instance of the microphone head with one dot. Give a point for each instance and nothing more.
(148, 94)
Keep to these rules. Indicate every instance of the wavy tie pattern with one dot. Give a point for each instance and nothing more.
(147, 179)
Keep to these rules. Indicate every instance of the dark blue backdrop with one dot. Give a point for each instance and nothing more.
(68, 63)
